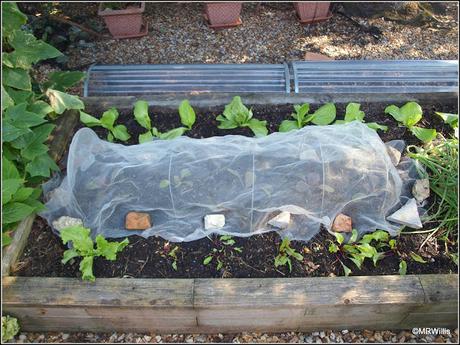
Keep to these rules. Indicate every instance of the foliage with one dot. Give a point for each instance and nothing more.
(374, 246)
(223, 247)
(83, 246)
(108, 122)
(27, 108)
(324, 115)
(170, 253)
(353, 113)
(409, 115)
(187, 117)
(10, 327)
(285, 253)
(440, 160)
(236, 114)
(450, 119)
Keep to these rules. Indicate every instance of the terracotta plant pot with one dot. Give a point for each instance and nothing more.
(312, 12)
(125, 23)
(222, 14)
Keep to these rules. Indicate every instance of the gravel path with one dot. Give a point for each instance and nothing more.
(320, 337)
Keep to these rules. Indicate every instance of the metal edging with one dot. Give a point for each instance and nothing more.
(287, 77)
(85, 85)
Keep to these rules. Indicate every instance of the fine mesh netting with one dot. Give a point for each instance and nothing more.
(314, 173)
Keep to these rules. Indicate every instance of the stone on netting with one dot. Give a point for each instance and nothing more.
(342, 223)
(421, 189)
(66, 221)
(407, 215)
(281, 221)
(137, 221)
(214, 221)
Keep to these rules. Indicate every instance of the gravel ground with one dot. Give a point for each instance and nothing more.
(319, 337)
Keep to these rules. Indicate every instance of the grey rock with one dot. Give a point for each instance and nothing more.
(66, 221)
(421, 189)
(214, 221)
(281, 221)
(394, 154)
(407, 215)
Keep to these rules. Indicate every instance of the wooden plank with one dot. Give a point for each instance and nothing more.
(12, 252)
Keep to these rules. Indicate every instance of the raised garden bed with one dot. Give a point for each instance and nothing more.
(46, 295)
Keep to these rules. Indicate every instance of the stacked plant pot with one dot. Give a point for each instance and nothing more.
(310, 12)
(124, 23)
(220, 15)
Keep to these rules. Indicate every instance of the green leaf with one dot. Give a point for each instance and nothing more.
(354, 236)
(346, 270)
(297, 256)
(173, 133)
(31, 144)
(225, 123)
(6, 239)
(15, 212)
(110, 137)
(141, 114)
(174, 265)
(17, 78)
(120, 132)
(258, 127)
(339, 237)
(11, 133)
(237, 112)
(9, 170)
(324, 115)
(424, 134)
(63, 80)
(145, 138)
(451, 119)
(376, 126)
(409, 114)
(353, 113)
(86, 268)
(164, 183)
(288, 125)
(301, 111)
(22, 194)
(187, 114)
(35, 204)
(108, 249)
(9, 187)
(417, 258)
(366, 250)
(12, 18)
(7, 101)
(219, 265)
(109, 117)
(20, 96)
(333, 248)
(19, 117)
(80, 238)
(402, 268)
(61, 101)
(392, 244)
(377, 256)
(289, 262)
(378, 235)
(89, 120)
(69, 254)
(207, 260)
(40, 107)
(41, 166)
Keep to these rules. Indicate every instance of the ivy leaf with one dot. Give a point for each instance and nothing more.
(40, 107)
(108, 249)
(187, 114)
(12, 18)
(376, 126)
(451, 119)
(424, 134)
(11, 133)
(9, 170)
(63, 80)
(89, 120)
(41, 166)
(22, 194)
(120, 132)
(61, 101)
(15, 211)
(258, 127)
(417, 258)
(31, 144)
(109, 117)
(402, 268)
(288, 125)
(353, 113)
(20, 96)
(9, 187)
(19, 117)
(86, 268)
(173, 133)
(324, 115)
(7, 101)
(409, 114)
(146, 137)
(141, 114)
(17, 78)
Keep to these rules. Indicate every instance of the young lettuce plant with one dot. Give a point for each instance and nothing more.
(223, 247)
(285, 253)
(170, 253)
(83, 246)
(108, 122)
(409, 115)
(236, 114)
(324, 115)
(187, 117)
(354, 113)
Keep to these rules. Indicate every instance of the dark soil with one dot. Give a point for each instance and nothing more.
(148, 257)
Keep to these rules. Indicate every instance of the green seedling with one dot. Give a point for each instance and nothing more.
(170, 253)
(236, 114)
(223, 248)
(83, 246)
(324, 115)
(353, 113)
(285, 254)
(107, 121)
(409, 115)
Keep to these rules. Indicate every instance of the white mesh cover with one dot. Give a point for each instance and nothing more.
(314, 173)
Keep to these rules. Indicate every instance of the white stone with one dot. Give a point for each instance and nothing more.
(407, 215)
(421, 189)
(65, 222)
(214, 221)
(281, 221)
(394, 154)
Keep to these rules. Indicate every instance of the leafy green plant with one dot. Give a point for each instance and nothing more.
(108, 122)
(83, 246)
(354, 113)
(324, 115)
(170, 253)
(374, 246)
(10, 327)
(440, 160)
(409, 115)
(27, 107)
(285, 253)
(236, 114)
(187, 117)
(450, 119)
(223, 247)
